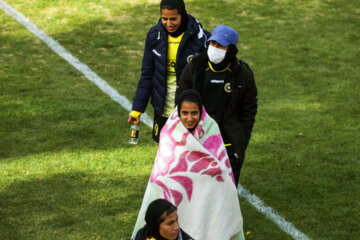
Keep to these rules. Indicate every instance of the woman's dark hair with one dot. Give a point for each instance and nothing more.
(189, 95)
(174, 4)
(154, 215)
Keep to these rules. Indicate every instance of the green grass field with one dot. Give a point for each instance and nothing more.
(67, 172)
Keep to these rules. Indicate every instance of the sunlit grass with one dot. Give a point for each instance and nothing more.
(67, 172)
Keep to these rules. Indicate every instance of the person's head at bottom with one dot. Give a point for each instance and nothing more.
(162, 220)
(190, 108)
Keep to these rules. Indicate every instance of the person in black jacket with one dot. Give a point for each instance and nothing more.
(161, 223)
(228, 91)
(169, 46)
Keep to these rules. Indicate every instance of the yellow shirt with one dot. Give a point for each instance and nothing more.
(173, 45)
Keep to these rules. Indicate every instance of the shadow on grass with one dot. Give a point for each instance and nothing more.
(74, 205)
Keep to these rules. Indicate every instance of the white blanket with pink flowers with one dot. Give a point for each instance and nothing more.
(192, 170)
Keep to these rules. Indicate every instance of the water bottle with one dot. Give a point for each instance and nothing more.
(134, 134)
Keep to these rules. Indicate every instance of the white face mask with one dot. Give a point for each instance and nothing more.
(216, 55)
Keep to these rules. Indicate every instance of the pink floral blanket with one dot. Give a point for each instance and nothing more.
(192, 170)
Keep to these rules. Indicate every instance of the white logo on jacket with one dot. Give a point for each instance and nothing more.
(217, 81)
(156, 52)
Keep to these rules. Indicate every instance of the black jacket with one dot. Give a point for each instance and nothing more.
(239, 114)
(152, 81)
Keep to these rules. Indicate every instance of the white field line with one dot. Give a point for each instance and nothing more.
(125, 103)
(83, 68)
(271, 214)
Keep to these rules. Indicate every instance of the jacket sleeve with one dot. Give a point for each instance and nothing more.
(248, 108)
(145, 86)
(185, 81)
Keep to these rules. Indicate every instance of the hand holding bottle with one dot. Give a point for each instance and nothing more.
(134, 119)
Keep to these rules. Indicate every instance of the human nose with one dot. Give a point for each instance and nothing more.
(176, 226)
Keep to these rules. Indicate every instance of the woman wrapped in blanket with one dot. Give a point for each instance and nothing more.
(192, 171)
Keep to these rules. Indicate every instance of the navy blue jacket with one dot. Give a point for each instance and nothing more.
(152, 82)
